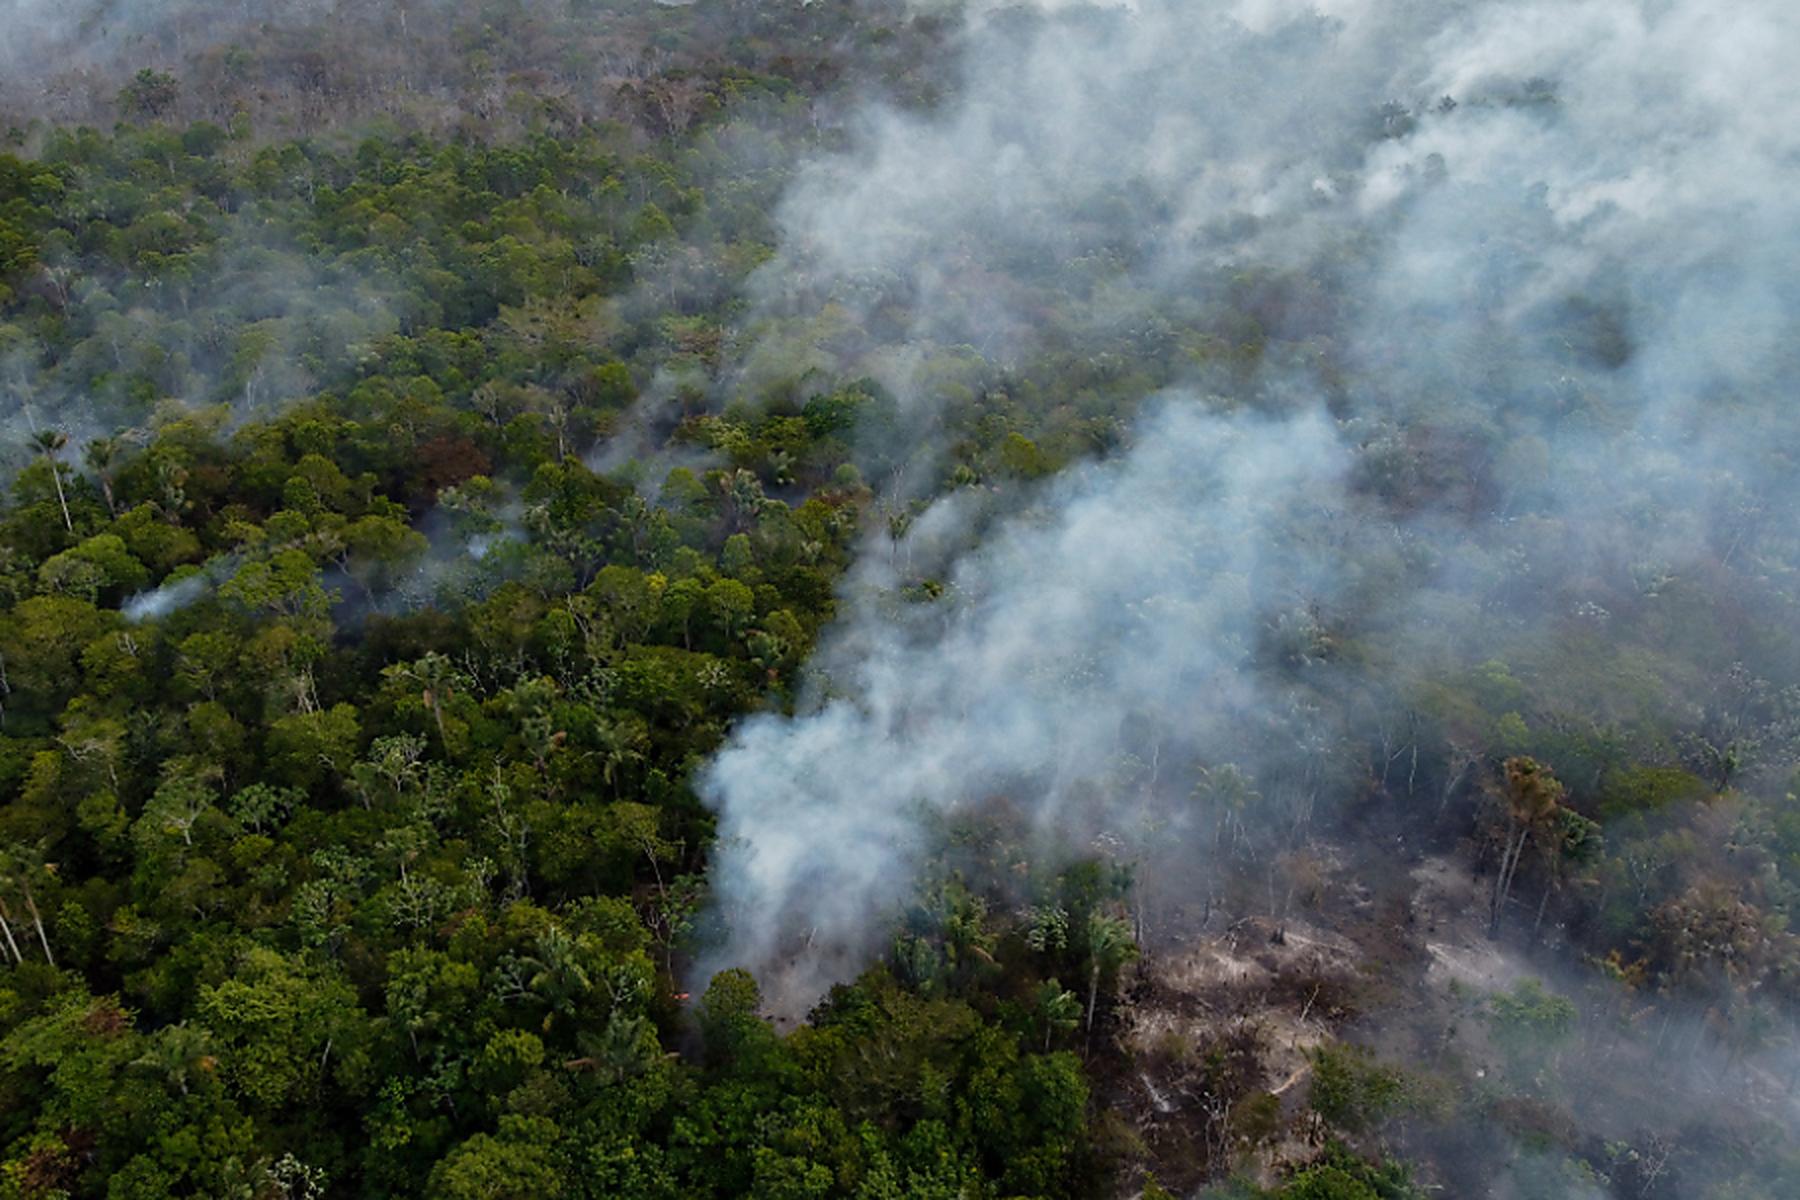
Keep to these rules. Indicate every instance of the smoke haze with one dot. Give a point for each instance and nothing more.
(1555, 391)
(1274, 428)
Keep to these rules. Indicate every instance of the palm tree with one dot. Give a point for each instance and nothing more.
(620, 749)
(1109, 947)
(557, 974)
(966, 939)
(101, 454)
(438, 680)
(1228, 791)
(625, 1048)
(1058, 1009)
(176, 1053)
(49, 443)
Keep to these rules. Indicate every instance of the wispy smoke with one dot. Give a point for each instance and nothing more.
(159, 602)
(1555, 341)
(1133, 587)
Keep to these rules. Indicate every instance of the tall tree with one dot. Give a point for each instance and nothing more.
(20, 867)
(102, 454)
(1532, 797)
(49, 443)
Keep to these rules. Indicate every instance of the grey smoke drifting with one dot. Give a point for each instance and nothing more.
(159, 602)
(1567, 234)
(1133, 583)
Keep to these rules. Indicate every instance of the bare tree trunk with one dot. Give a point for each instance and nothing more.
(1093, 997)
(1509, 866)
(38, 919)
(6, 926)
(662, 892)
(56, 477)
(1450, 785)
(1542, 905)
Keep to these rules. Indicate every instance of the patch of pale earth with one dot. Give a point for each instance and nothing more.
(1218, 984)
(1478, 967)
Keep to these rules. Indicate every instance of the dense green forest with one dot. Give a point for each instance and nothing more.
(448, 448)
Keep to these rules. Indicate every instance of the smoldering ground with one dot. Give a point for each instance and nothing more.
(1522, 391)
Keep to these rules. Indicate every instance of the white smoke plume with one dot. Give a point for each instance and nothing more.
(1134, 581)
(1576, 221)
(159, 602)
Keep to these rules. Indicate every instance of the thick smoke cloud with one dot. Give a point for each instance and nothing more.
(1132, 585)
(1567, 236)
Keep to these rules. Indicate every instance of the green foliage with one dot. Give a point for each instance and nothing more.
(363, 861)
(1530, 1025)
(150, 94)
(363, 839)
(1336, 1174)
(1351, 1090)
(517, 1163)
(1648, 790)
(1340, 1175)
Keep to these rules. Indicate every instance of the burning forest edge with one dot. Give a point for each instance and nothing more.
(899, 598)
